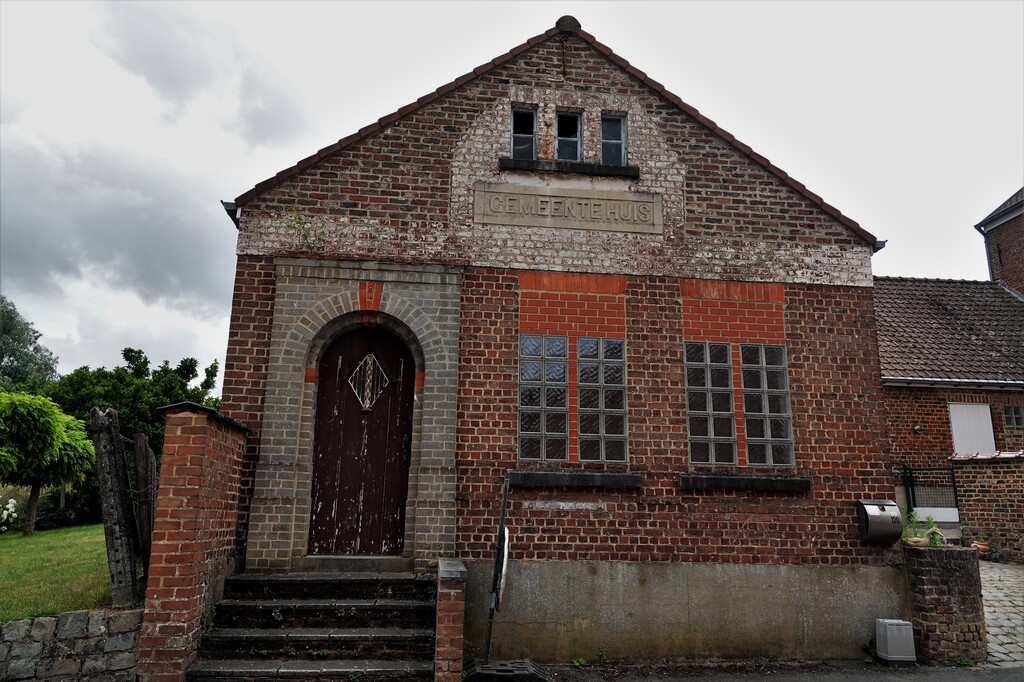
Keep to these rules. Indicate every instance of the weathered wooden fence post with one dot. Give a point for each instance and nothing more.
(118, 515)
(145, 502)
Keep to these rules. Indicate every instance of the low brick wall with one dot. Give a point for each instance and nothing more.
(946, 605)
(79, 645)
(195, 539)
(451, 619)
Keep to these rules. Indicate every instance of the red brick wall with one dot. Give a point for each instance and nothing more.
(195, 538)
(245, 365)
(1005, 247)
(990, 494)
(929, 407)
(837, 426)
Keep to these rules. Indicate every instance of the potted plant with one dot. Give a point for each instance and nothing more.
(981, 545)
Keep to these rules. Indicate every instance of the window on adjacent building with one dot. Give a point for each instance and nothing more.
(712, 429)
(524, 134)
(613, 140)
(567, 137)
(543, 397)
(602, 399)
(972, 428)
(766, 405)
(1014, 415)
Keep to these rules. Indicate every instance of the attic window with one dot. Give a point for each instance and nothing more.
(613, 140)
(567, 137)
(524, 134)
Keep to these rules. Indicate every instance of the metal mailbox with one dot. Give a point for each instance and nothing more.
(880, 521)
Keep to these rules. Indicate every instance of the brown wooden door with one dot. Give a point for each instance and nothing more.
(361, 445)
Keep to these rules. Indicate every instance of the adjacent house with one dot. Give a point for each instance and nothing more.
(952, 357)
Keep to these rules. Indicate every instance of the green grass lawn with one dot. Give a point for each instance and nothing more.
(53, 571)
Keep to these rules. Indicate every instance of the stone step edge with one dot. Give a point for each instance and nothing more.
(327, 604)
(226, 667)
(327, 576)
(319, 634)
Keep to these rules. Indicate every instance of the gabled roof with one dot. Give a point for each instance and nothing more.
(1014, 204)
(944, 331)
(566, 24)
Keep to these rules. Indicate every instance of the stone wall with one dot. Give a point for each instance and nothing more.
(87, 646)
(946, 606)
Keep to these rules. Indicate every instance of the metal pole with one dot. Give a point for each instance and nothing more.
(499, 556)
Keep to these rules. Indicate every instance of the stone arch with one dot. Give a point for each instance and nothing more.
(421, 308)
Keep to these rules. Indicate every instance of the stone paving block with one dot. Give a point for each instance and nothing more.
(72, 624)
(124, 621)
(43, 628)
(17, 630)
(97, 623)
(21, 669)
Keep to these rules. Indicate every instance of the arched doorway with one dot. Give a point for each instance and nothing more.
(361, 445)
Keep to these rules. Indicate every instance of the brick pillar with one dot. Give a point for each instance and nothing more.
(451, 616)
(946, 607)
(194, 538)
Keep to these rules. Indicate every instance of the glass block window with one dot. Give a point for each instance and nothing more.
(768, 422)
(543, 397)
(613, 140)
(1014, 415)
(602, 390)
(711, 424)
(567, 137)
(524, 134)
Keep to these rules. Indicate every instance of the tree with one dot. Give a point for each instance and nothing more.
(25, 364)
(40, 445)
(134, 390)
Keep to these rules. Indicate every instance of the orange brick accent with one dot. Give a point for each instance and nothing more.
(733, 312)
(369, 295)
(311, 375)
(570, 281)
(419, 380)
(577, 312)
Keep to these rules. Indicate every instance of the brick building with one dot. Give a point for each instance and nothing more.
(952, 357)
(554, 272)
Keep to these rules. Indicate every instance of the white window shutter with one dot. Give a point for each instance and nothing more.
(972, 428)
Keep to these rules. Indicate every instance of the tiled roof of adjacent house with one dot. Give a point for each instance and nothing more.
(949, 331)
(1014, 202)
(566, 24)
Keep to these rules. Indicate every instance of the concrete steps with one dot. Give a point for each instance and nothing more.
(321, 626)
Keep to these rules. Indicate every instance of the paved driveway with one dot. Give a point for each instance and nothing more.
(1002, 586)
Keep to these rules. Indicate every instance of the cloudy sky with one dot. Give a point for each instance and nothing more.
(122, 126)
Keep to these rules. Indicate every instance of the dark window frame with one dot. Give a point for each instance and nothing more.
(574, 142)
(515, 151)
(607, 143)
(1013, 416)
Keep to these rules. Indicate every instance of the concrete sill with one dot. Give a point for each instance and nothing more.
(772, 484)
(574, 479)
(599, 169)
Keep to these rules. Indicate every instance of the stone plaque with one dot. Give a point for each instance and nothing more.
(505, 204)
